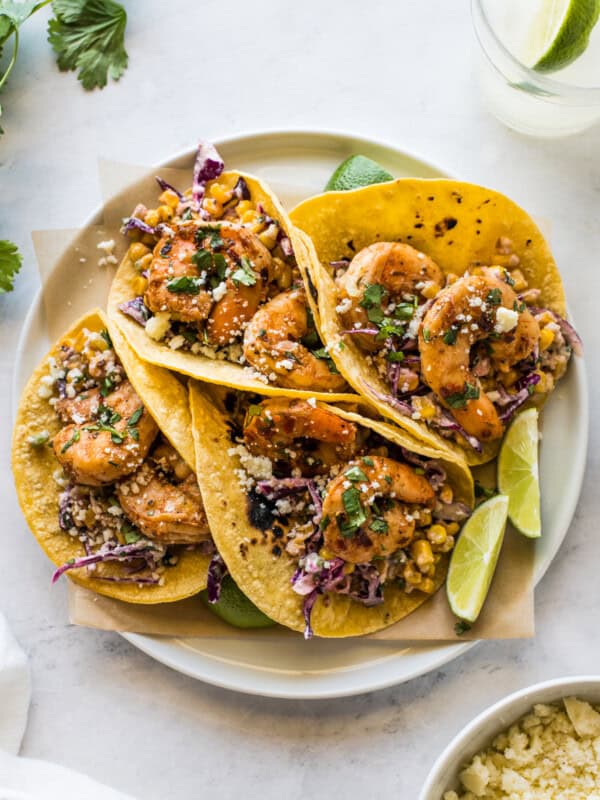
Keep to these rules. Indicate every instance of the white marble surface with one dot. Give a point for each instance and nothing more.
(403, 72)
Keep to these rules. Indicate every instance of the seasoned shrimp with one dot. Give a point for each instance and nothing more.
(172, 259)
(400, 271)
(375, 520)
(294, 432)
(112, 440)
(226, 267)
(163, 500)
(273, 343)
(476, 308)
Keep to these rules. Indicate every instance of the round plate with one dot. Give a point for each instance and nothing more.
(297, 165)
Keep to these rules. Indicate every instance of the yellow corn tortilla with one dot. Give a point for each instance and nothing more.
(457, 224)
(38, 492)
(199, 366)
(265, 578)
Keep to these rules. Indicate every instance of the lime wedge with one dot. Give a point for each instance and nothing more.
(355, 172)
(475, 557)
(518, 474)
(235, 608)
(560, 33)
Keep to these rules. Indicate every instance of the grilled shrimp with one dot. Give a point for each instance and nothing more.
(110, 441)
(273, 343)
(398, 268)
(474, 309)
(294, 432)
(235, 258)
(163, 500)
(380, 522)
(172, 259)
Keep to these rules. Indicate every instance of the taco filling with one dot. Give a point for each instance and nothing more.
(357, 514)
(460, 353)
(125, 493)
(217, 277)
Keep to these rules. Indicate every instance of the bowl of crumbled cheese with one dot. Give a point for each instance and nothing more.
(541, 743)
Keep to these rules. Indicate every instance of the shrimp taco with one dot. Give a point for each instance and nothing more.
(330, 522)
(441, 304)
(104, 470)
(212, 287)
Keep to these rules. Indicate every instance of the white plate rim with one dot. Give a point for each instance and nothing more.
(162, 649)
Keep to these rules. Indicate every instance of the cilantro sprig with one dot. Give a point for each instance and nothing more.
(86, 35)
(10, 262)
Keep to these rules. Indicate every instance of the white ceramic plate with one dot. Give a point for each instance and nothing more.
(298, 164)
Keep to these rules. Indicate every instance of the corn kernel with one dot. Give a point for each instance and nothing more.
(520, 284)
(148, 239)
(422, 554)
(446, 494)
(143, 263)
(243, 206)
(269, 236)
(221, 193)
(509, 378)
(326, 554)
(165, 213)
(152, 218)
(214, 208)
(411, 575)
(545, 318)
(137, 251)
(139, 284)
(430, 290)
(437, 534)
(425, 518)
(546, 338)
(447, 545)
(427, 586)
(427, 409)
(248, 216)
(349, 568)
(282, 273)
(169, 198)
(453, 528)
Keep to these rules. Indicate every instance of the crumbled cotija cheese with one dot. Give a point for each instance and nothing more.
(553, 753)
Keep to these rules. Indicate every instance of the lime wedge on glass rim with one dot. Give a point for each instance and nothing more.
(518, 473)
(475, 556)
(357, 171)
(560, 33)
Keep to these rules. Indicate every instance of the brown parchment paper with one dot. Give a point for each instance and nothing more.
(73, 283)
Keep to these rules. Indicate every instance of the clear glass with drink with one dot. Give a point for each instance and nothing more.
(540, 76)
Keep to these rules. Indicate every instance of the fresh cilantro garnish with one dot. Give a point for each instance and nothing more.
(215, 239)
(450, 336)
(106, 336)
(244, 274)
(88, 36)
(254, 411)
(219, 265)
(494, 297)
(459, 399)
(378, 525)
(107, 418)
(404, 311)
(373, 295)
(184, 285)
(133, 421)
(323, 354)
(508, 279)
(355, 513)
(389, 328)
(426, 335)
(368, 461)
(461, 627)
(107, 386)
(75, 438)
(130, 534)
(376, 315)
(394, 356)
(324, 522)
(203, 260)
(10, 260)
(355, 474)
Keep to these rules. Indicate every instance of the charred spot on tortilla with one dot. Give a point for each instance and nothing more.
(260, 513)
(446, 224)
(312, 288)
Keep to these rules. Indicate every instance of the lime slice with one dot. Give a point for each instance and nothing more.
(475, 557)
(235, 608)
(518, 474)
(355, 172)
(560, 33)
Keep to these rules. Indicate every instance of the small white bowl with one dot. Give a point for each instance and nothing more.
(479, 733)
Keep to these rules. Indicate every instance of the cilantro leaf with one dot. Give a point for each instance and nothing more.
(373, 295)
(10, 264)
(460, 399)
(244, 273)
(184, 285)
(88, 36)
